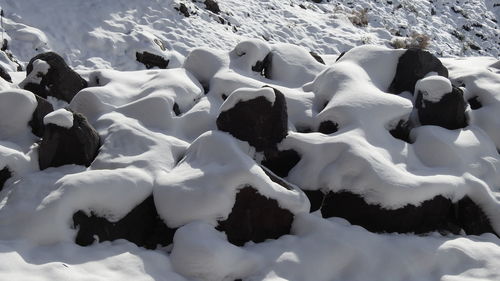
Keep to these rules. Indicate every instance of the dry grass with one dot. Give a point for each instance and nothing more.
(359, 17)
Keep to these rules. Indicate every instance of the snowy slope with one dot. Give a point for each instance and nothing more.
(106, 34)
(159, 136)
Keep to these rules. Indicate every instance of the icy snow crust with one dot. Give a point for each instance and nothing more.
(195, 171)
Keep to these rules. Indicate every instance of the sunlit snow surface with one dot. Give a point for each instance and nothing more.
(195, 170)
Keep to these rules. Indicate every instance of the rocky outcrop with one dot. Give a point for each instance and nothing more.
(48, 74)
(258, 121)
(255, 218)
(412, 66)
(78, 144)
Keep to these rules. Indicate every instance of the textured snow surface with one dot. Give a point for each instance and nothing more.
(109, 33)
(195, 171)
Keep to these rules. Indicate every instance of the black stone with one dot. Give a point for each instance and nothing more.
(412, 66)
(471, 218)
(475, 103)
(328, 127)
(176, 109)
(151, 60)
(60, 81)
(36, 123)
(315, 198)
(448, 113)
(340, 56)
(5, 174)
(431, 215)
(141, 226)
(317, 57)
(436, 214)
(5, 75)
(402, 131)
(61, 146)
(257, 121)
(281, 162)
(183, 10)
(212, 6)
(255, 218)
(264, 67)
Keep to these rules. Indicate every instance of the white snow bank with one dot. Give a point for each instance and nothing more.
(61, 117)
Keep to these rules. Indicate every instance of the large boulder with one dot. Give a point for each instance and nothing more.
(436, 214)
(48, 74)
(42, 109)
(257, 116)
(439, 103)
(68, 139)
(142, 226)
(256, 218)
(412, 66)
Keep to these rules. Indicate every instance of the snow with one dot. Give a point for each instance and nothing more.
(246, 94)
(40, 68)
(433, 88)
(61, 117)
(194, 171)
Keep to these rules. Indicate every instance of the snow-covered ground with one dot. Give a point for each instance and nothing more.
(194, 170)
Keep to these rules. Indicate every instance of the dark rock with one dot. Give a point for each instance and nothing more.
(402, 131)
(61, 146)
(176, 109)
(475, 103)
(436, 214)
(448, 113)
(151, 60)
(183, 10)
(328, 127)
(264, 67)
(141, 226)
(471, 218)
(340, 56)
(412, 66)
(60, 81)
(431, 215)
(212, 6)
(257, 121)
(317, 57)
(315, 198)
(5, 174)
(255, 218)
(281, 162)
(36, 123)
(277, 179)
(5, 75)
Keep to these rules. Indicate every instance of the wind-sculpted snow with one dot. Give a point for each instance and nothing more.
(160, 139)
